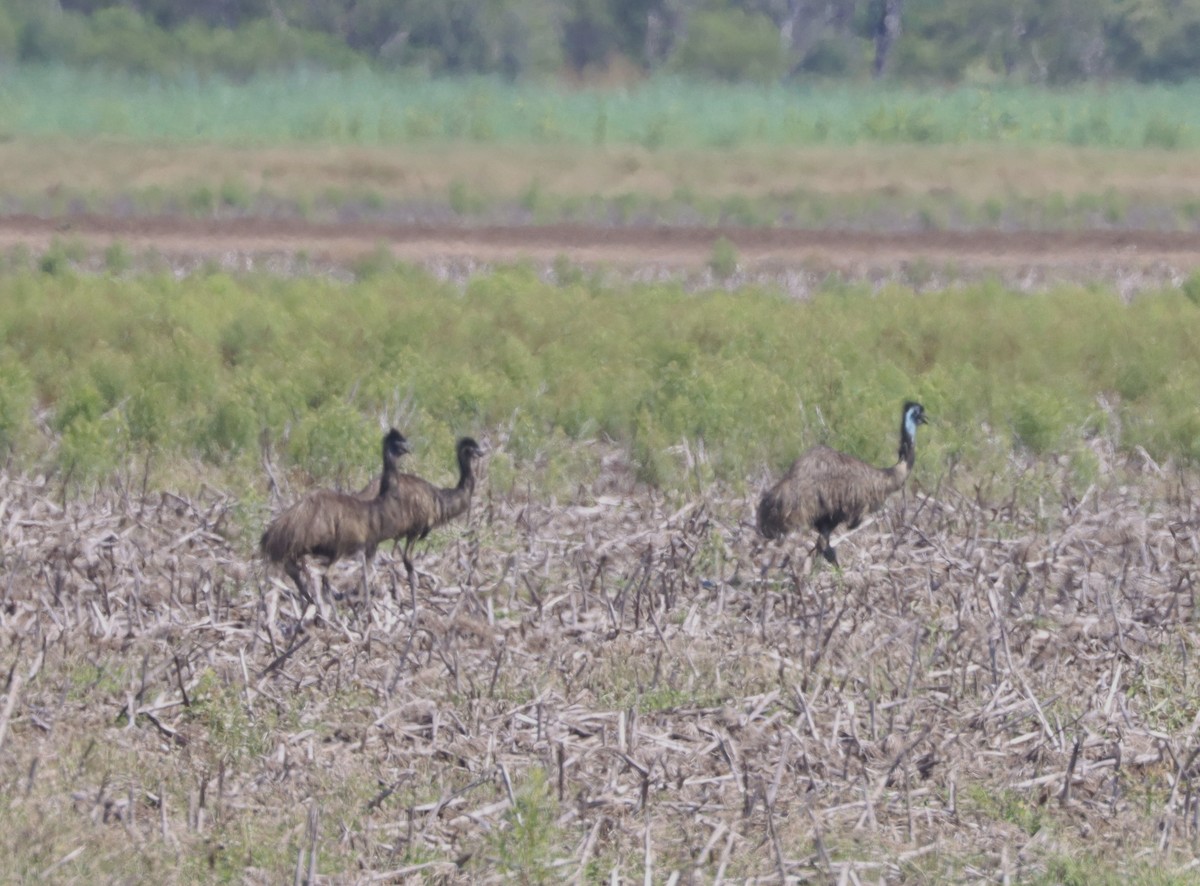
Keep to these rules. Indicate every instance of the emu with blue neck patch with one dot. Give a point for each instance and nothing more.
(913, 416)
(824, 488)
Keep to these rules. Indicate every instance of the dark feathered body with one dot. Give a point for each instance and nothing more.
(331, 525)
(824, 488)
(416, 506)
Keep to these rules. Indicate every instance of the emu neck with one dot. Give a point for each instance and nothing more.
(387, 478)
(908, 451)
(466, 477)
(897, 474)
(454, 501)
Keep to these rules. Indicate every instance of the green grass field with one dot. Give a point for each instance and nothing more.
(321, 145)
(364, 108)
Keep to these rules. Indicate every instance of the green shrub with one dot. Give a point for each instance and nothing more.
(376, 263)
(1163, 132)
(147, 416)
(723, 261)
(463, 200)
(117, 259)
(333, 440)
(1037, 422)
(61, 257)
(82, 402)
(235, 194)
(118, 36)
(1094, 129)
(832, 57)
(532, 198)
(227, 428)
(1191, 288)
(525, 842)
(199, 367)
(732, 45)
(16, 403)
(919, 124)
(90, 449)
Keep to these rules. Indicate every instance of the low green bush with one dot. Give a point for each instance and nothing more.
(200, 368)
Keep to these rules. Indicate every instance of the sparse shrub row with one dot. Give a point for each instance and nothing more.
(95, 371)
(686, 206)
(370, 108)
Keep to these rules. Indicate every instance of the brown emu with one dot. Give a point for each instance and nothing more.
(418, 506)
(331, 525)
(825, 488)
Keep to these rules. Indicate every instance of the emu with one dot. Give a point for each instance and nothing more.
(825, 488)
(330, 525)
(418, 506)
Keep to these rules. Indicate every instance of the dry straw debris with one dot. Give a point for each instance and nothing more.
(996, 687)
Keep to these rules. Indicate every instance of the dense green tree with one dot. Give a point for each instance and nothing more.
(732, 45)
(1155, 39)
(1049, 41)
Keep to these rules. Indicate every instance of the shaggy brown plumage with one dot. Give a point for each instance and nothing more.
(330, 525)
(825, 488)
(418, 506)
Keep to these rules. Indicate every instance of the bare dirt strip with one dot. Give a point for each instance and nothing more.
(617, 245)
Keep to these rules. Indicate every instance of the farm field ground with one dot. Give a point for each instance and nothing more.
(921, 214)
(602, 678)
(623, 686)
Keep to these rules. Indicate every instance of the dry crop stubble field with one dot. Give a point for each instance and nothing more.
(618, 683)
(611, 688)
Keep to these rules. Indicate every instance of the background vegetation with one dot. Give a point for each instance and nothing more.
(1060, 41)
(368, 108)
(99, 373)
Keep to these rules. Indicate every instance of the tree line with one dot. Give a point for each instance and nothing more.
(1038, 41)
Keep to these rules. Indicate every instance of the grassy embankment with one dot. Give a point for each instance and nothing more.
(315, 145)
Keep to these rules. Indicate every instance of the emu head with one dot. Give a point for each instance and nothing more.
(394, 445)
(914, 414)
(468, 450)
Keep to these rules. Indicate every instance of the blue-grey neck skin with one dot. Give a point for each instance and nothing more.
(914, 414)
(910, 422)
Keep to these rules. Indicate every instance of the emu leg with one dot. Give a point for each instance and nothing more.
(412, 573)
(828, 551)
(327, 590)
(296, 573)
(366, 581)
